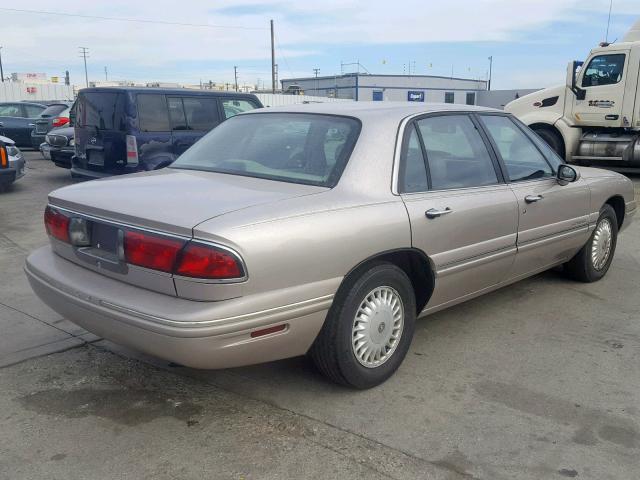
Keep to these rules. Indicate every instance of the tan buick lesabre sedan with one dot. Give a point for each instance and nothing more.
(323, 229)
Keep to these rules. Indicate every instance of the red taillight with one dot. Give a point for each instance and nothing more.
(132, 150)
(151, 251)
(57, 224)
(204, 261)
(60, 121)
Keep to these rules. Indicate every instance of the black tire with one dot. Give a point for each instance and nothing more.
(332, 351)
(553, 139)
(581, 267)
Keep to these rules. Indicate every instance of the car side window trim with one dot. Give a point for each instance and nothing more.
(497, 151)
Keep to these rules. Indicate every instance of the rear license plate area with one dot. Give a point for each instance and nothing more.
(95, 158)
(104, 237)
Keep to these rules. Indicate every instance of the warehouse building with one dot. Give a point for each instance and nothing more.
(399, 88)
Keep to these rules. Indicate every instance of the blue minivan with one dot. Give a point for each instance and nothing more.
(126, 129)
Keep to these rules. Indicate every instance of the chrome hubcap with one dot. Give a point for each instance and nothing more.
(601, 244)
(377, 327)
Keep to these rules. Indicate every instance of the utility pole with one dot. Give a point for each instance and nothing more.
(83, 54)
(1, 71)
(316, 71)
(235, 74)
(490, 68)
(273, 61)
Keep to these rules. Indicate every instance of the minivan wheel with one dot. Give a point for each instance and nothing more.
(369, 328)
(592, 262)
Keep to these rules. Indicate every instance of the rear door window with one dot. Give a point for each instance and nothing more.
(33, 111)
(153, 115)
(176, 113)
(456, 154)
(413, 172)
(201, 113)
(234, 106)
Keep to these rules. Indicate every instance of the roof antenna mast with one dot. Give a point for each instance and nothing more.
(606, 35)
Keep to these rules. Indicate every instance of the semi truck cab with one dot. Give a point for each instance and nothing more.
(595, 116)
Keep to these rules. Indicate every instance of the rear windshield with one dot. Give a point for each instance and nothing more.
(52, 111)
(101, 110)
(300, 148)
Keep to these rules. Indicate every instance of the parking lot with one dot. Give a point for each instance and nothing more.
(538, 380)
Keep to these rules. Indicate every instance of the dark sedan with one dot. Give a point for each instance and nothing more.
(59, 146)
(54, 116)
(17, 120)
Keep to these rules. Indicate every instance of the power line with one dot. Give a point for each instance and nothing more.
(135, 20)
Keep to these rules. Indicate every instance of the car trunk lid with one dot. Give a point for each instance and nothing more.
(173, 200)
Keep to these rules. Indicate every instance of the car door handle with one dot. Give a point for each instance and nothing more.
(32, 124)
(434, 212)
(533, 198)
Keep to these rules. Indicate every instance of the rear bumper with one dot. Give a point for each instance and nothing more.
(194, 334)
(7, 176)
(37, 139)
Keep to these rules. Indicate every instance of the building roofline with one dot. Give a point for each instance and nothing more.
(347, 75)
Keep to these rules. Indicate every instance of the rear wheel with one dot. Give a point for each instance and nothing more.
(552, 138)
(369, 328)
(592, 262)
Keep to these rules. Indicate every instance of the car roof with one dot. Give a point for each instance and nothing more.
(180, 91)
(21, 102)
(367, 110)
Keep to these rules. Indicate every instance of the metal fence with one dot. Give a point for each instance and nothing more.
(18, 91)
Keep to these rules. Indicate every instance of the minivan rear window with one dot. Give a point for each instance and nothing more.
(101, 110)
(311, 149)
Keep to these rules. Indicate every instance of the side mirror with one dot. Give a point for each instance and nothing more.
(571, 80)
(567, 174)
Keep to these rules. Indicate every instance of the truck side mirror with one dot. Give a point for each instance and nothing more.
(571, 80)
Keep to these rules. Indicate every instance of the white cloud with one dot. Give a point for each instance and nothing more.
(41, 42)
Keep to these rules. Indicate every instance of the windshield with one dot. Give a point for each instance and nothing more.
(292, 147)
(101, 110)
(53, 110)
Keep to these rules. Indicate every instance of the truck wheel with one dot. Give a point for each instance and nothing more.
(553, 139)
(593, 260)
(369, 328)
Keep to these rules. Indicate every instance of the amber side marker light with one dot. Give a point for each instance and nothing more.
(267, 331)
(4, 158)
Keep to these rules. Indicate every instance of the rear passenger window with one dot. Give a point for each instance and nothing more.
(201, 113)
(522, 159)
(456, 154)
(413, 172)
(234, 106)
(153, 115)
(176, 113)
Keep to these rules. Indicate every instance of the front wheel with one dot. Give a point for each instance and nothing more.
(592, 262)
(369, 328)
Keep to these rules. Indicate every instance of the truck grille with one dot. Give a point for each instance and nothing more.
(57, 140)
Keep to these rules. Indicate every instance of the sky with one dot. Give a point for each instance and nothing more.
(190, 41)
